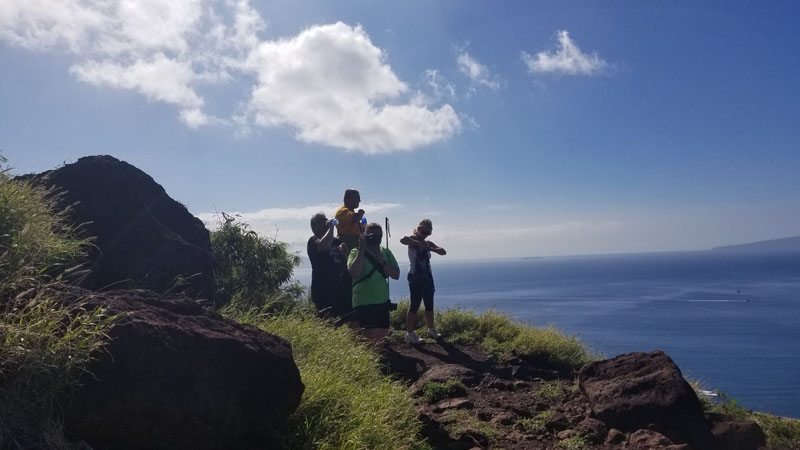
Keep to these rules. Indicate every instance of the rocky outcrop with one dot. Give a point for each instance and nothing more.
(645, 390)
(176, 376)
(635, 401)
(144, 238)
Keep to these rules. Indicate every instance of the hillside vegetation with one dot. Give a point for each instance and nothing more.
(44, 347)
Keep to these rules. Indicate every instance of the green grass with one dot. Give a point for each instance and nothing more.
(436, 391)
(347, 403)
(501, 335)
(535, 424)
(781, 432)
(36, 242)
(577, 442)
(44, 349)
(552, 391)
(458, 423)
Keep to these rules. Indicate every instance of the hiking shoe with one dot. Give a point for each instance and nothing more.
(413, 339)
(432, 333)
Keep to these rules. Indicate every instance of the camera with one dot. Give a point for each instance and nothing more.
(373, 238)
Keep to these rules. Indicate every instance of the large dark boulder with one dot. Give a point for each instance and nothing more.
(144, 238)
(645, 390)
(177, 376)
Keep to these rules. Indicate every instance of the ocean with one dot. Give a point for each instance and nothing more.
(729, 320)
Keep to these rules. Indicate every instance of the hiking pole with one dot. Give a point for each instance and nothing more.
(388, 233)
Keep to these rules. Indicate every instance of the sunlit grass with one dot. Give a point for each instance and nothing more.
(44, 350)
(347, 403)
(499, 334)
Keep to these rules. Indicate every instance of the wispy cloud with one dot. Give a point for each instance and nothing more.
(567, 59)
(439, 85)
(478, 73)
(329, 84)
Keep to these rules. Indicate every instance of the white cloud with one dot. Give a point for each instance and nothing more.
(332, 85)
(439, 85)
(160, 78)
(567, 59)
(329, 83)
(476, 72)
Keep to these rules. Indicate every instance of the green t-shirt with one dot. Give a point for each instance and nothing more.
(375, 289)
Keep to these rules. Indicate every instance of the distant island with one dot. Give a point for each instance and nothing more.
(787, 244)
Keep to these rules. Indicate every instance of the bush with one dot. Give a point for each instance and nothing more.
(347, 403)
(251, 268)
(37, 243)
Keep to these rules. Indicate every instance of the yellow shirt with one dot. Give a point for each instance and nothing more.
(347, 225)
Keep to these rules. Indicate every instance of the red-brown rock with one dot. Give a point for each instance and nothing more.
(176, 376)
(641, 390)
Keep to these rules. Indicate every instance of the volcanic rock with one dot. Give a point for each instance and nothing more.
(144, 238)
(635, 390)
(176, 376)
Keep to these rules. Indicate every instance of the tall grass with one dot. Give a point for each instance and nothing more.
(44, 350)
(36, 241)
(347, 403)
(501, 335)
(44, 347)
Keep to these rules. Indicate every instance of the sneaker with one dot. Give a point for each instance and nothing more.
(413, 339)
(432, 333)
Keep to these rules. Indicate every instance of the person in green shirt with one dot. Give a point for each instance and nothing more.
(370, 266)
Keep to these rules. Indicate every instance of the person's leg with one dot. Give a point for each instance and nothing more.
(376, 336)
(429, 315)
(416, 299)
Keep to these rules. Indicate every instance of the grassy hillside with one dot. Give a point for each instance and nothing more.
(44, 347)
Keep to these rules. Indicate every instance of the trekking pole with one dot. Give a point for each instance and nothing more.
(388, 233)
(388, 288)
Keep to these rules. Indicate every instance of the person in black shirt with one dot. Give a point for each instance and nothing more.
(331, 289)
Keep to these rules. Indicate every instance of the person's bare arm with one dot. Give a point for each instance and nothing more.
(325, 241)
(436, 249)
(357, 265)
(414, 242)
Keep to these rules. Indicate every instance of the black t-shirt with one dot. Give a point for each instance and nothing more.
(330, 281)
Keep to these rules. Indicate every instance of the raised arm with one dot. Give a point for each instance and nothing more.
(325, 241)
(436, 249)
(414, 242)
(355, 266)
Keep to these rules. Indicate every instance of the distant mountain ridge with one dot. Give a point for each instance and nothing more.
(787, 244)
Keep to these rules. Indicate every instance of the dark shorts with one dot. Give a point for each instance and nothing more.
(372, 316)
(421, 290)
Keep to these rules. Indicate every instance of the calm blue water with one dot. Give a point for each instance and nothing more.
(731, 321)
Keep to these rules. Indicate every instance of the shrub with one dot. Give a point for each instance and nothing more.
(251, 268)
(347, 403)
(436, 391)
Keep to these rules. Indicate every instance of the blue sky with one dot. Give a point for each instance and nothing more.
(519, 128)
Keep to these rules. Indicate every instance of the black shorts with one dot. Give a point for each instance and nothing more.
(421, 290)
(372, 316)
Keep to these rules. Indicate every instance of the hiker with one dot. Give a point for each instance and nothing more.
(420, 279)
(349, 225)
(330, 280)
(370, 265)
